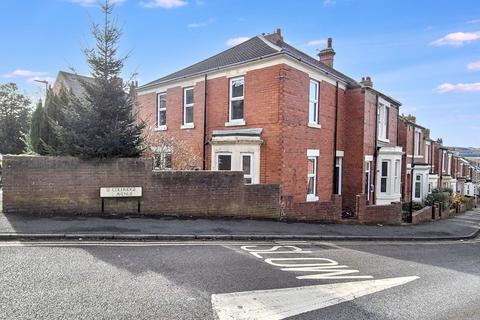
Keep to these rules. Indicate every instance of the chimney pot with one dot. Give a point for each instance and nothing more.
(367, 82)
(326, 55)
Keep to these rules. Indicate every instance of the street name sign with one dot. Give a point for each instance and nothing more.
(120, 192)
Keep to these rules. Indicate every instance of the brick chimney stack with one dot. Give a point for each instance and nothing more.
(411, 118)
(326, 55)
(366, 82)
(276, 36)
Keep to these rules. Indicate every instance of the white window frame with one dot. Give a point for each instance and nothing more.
(368, 173)
(188, 125)
(235, 122)
(163, 160)
(449, 163)
(418, 134)
(217, 155)
(312, 196)
(313, 104)
(396, 176)
(163, 126)
(339, 165)
(382, 121)
(250, 175)
(312, 154)
(387, 177)
(418, 182)
(444, 162)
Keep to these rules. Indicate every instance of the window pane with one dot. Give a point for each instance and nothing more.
(237, 88)
(246, 161)
(311, 166)
(189, 115)
(383, 185)
(162, 101)
(224, 162)
(237, 109)
(189, 96)
(311, 185)
(417, 189)
(384, 169)
(312, 117)
(313, 91)
(248, 180)
(168, 160)
(337, 180)
(162, 118)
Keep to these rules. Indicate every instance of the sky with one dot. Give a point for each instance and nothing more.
(425, 54)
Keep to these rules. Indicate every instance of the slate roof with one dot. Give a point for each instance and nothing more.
(255, 48)
(71, 81)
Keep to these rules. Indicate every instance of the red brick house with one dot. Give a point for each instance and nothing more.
(373, 155)
(280, 116)
(416, 142)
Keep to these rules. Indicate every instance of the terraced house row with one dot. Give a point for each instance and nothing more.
(338, 147)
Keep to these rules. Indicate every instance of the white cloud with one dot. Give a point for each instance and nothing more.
(166, 4)
(474, 65)
(317, 42)
(457, 39)
(200, 24)
(329, 2)
(459, 87)
(91, 3)
(474, 21)
(19, 73)
(236, 41)
(32, 80)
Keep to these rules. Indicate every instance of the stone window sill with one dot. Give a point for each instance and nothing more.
(187, 126)
(161, 128)
(233, 123)
(314, 125)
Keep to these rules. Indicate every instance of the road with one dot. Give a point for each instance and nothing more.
(240, 280)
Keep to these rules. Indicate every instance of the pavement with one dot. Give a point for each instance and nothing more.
(25, 226)
(240, 280)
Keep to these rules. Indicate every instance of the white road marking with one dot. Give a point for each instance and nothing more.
(277, 304)
(314, 268)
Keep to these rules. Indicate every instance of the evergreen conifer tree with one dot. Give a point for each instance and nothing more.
(37, 122)
(102, 123)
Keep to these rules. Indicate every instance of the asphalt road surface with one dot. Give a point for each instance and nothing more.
(240, 280)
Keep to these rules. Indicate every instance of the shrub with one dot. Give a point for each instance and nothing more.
(457, 199)
(442, 197)
(449, 190)
(415, 206)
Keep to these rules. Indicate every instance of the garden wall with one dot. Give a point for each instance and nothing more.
(70, 186)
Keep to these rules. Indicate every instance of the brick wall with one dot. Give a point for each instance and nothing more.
(378, 214)
(422, 215)
(62, 185)
(323, 211)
